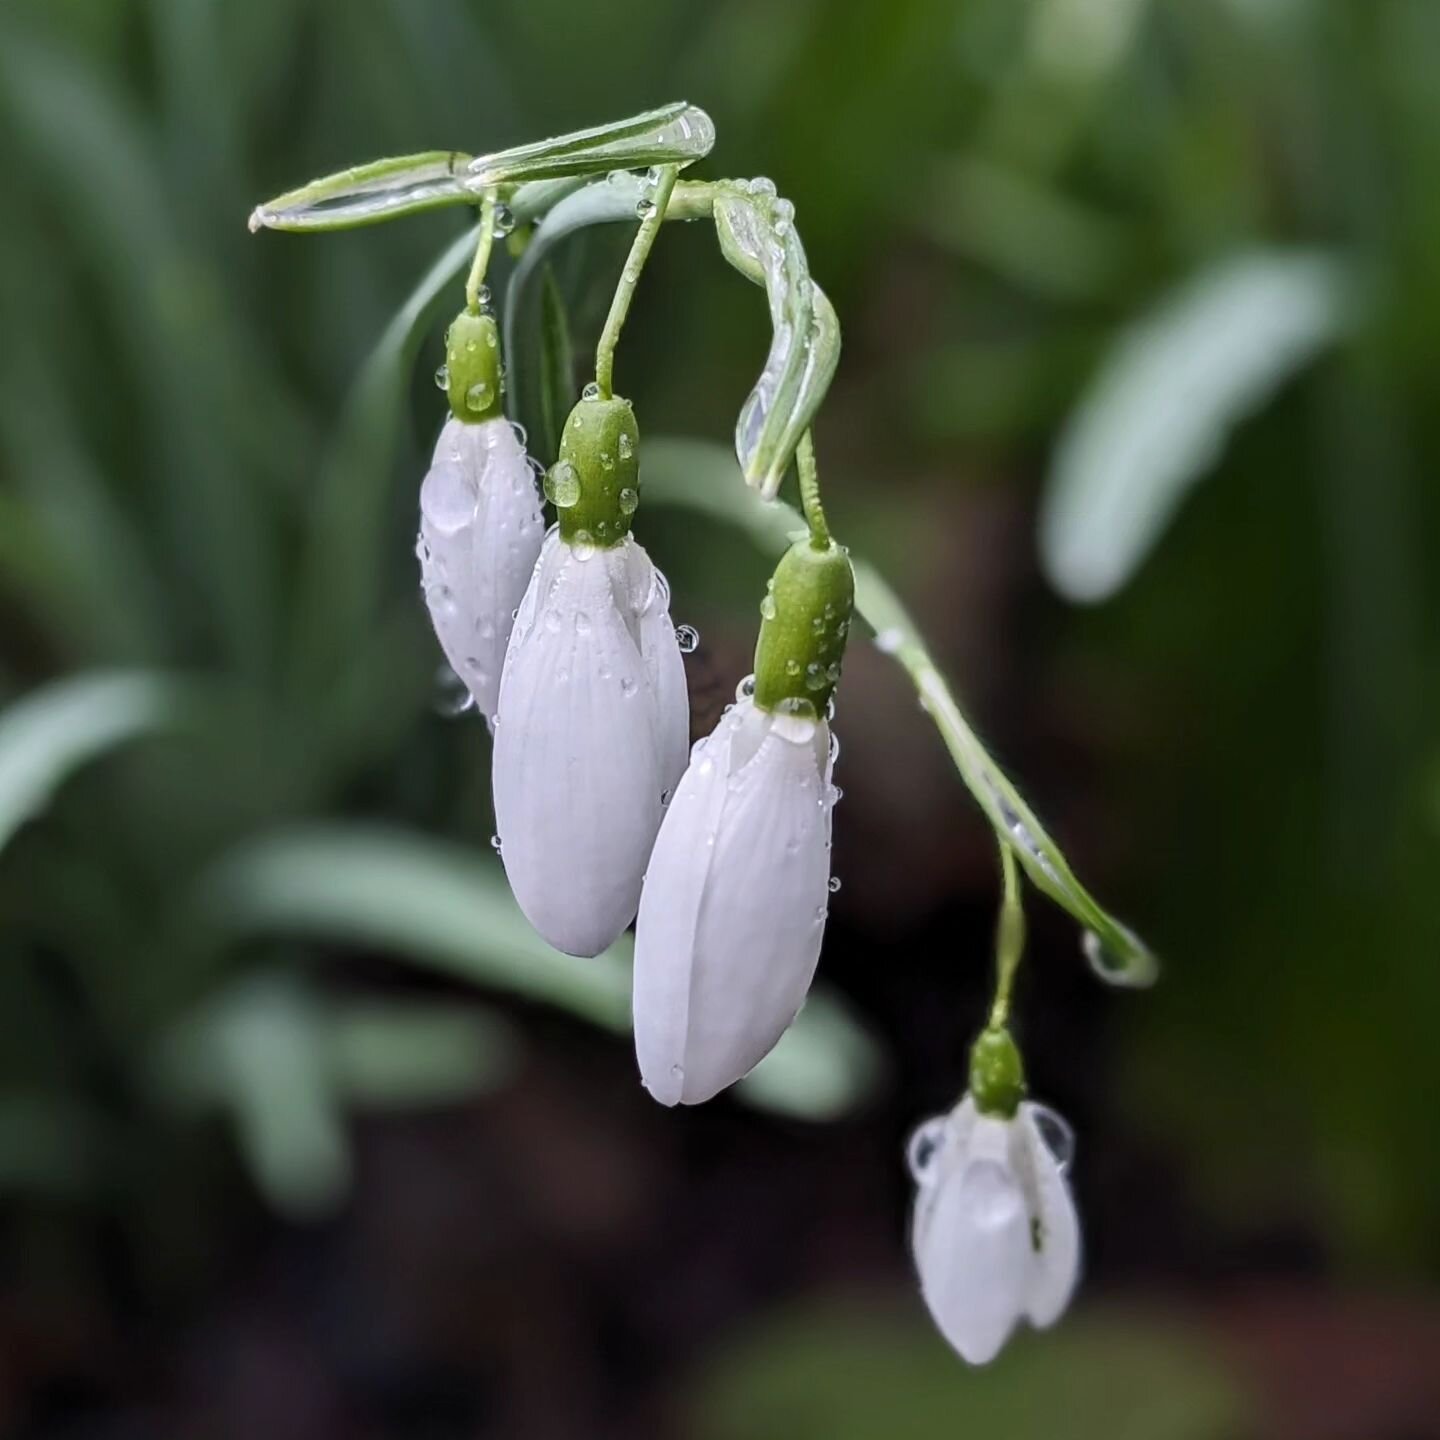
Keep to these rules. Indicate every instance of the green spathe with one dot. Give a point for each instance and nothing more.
(472, 365)
(805, 621)
(997, 1074)
(595, 484)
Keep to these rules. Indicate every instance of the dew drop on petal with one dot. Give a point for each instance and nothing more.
(582, 623)
(452, 695)
(746, 688)
(582, 547)
(495, 843)
(834, 884)
(442, 378)
(923, 1148)
(628, 499)
(687, 638)
(1055, 1131)
(767, 610)
(591, 391)
(552, 621)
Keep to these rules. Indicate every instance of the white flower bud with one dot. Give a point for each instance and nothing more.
(480, 533)
(994, 1234)
(734, 904)
(591, 735)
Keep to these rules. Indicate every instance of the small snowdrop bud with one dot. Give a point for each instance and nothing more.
(596, 718)
(805, 622)
(600, 458)
(994, 1232)
(737, 891)
(480, 519)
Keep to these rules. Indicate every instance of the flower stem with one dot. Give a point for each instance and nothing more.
(810, 492)
(1009, 939)
(629, 278)
(482, 252)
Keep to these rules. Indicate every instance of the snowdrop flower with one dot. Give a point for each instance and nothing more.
(480, 519)
(594, 721)
(994, 1233)
(736, 892)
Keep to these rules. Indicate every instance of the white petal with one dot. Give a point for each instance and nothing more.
(973, 1247)
(1055, 1268)
(734, 905)
(480, 533)
(576, 776)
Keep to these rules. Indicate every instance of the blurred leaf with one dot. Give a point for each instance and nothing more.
(557, 367)
(53, 731)
(758, 237)
(1161, 409)
(414, 897)
(699, 474)
(258, 1049)
(48, 1145)
(446, 908)
(838, 1372)
(404, 1055)
(823, 1067)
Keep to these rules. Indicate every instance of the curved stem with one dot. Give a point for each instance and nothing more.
(482, 252)
(810, 492)
(1009, 939)
(629, 278)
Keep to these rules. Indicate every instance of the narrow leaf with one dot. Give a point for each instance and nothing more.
(51, 732)
(1162, 407)
(758, 237)
(556, 366)
(369, 194)
(675, 134)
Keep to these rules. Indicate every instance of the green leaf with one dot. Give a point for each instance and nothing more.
(369, 194)
(758, 237)
(675, 134)
(53, 731)
(1162, 407)
(557, 367)
(699, 474)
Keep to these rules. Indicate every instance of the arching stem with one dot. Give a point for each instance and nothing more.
(629, 278)
(481, 263)
(1009, 938)
(810, 492)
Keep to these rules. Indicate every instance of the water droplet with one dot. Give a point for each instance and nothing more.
(518, 431)
(607, 460)
(687, 637)
(552, 621)
(767, 609)
(452, 695)
(442, 378)
(817, 623)
(814, 677)
(482, 295)
(627, 446)
(645, 208)
(762, 185)
(562, 485)
(652, 176)
(582, 623)
(889, 641)
(603, 528)
(478, 396)
(1055, 1131)
(628, 499)
(834, 884)
(627, 686)
(792, 666)
(495, 843)
(582, 547)
(832, 672)
(923, 1149)
(504, 220)
(591, 391)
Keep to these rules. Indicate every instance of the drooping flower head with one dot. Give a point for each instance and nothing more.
(594, 720)
(994, 1233)
(737, 890)
(480, 519)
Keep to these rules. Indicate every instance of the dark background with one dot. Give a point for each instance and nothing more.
(300, 1137)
